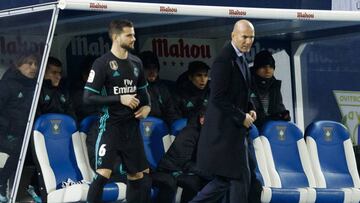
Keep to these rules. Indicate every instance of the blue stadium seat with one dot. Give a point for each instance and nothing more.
(114, 190)
(333, 159)
(257, 152)
(269, 193)
(61, 157)
(3, 157)
(55, 138)
(153, 131)
(177, 126)
(87, 122)
(288, 163)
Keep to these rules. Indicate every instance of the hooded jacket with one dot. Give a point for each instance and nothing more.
(181, 156)
(16, 94)
(162, 104)
(190, 99)
(54, 100)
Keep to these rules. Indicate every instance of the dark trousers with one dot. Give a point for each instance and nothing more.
(227, 190)
(167, 186)
(222, 189)
(8, 171)
(191, 185)
(11, 162)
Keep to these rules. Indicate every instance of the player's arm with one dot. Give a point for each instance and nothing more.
(94, 86)
(145, 103)
(144, 97)
(93, 98)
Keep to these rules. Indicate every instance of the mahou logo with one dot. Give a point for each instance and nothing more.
(168, 9)
(304, 15)
(235, 12)
(163, 48)
(98, 6)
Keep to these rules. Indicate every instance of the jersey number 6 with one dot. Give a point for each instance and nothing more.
(102, 150)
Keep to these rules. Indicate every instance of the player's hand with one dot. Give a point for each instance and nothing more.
(253, 114)
(129, 100)
(248, 121)
(143, 112)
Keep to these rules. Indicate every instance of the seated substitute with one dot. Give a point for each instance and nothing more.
(53, 97)
(193, 91)
(16, 94)
(178, 166)
(162, 104)
(266, 95)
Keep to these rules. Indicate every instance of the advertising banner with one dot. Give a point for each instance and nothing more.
(13, 45)
(345, 5)
(175, 53)
(349, 105)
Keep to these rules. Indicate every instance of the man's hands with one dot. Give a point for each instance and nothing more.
(143, 112)
(249, 119)
(253, 114)
(129, 100)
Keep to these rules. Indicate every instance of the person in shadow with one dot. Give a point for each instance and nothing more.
(266, 94)
(16, 94)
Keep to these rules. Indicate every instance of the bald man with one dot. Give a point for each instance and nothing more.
(223, 146)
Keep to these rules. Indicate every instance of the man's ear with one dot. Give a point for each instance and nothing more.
(113, 37)
(232, 35)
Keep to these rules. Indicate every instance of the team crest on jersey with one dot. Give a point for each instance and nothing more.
(113, 65)
(136, 71)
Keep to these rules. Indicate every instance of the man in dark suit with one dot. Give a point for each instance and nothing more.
(223, 146)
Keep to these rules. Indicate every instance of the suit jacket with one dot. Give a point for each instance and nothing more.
(222, 148)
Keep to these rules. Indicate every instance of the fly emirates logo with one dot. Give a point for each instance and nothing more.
(129, 88)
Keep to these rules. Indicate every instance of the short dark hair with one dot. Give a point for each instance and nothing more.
(24, 58)
(117, 26)
(54, 61)
(197, 66)
(148, 58)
